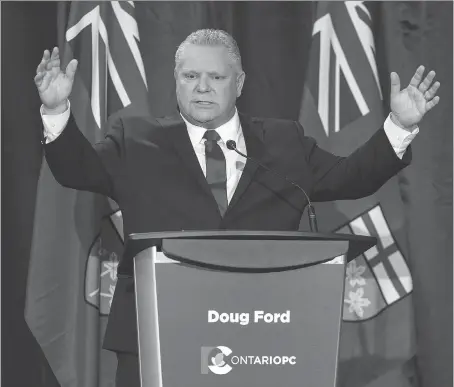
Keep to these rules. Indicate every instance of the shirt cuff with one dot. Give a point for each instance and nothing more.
(54, 124)
(399, 138)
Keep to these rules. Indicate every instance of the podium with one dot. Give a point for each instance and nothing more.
(239, 308)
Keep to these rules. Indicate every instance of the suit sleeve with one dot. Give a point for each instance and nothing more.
(76, 163)
(358, 175)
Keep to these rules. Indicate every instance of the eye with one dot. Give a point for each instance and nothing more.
(218, 77)
(189, 76)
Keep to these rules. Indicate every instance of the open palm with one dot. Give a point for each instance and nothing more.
(411, 104)
(54, 85)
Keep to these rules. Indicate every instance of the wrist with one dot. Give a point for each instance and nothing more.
(59, 109)
(396, 121)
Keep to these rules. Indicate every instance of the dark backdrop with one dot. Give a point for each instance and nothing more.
(426, 30)
(26, 29)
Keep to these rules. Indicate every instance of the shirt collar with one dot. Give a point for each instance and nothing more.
(228, 131)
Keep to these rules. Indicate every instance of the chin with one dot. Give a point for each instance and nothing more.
(203, 117)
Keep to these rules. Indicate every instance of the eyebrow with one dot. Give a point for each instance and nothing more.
(198, 72)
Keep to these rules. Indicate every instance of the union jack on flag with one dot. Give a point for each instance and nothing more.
(342, 84)
(104, 38)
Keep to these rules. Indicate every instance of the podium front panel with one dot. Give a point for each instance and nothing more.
(227, 329)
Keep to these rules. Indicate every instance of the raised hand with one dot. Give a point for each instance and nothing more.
(54, 85)
(411, 104)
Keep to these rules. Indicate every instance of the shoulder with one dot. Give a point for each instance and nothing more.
(128, 121)
(138, 126)
(270, 124)
(273, 129)
(287, 132)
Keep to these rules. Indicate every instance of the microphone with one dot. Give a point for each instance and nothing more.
(310, 209)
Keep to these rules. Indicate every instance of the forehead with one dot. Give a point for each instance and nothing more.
(205, 58)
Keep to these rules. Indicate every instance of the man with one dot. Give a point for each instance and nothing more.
(177, 173)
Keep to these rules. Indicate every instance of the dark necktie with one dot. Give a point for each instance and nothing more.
(216, 169)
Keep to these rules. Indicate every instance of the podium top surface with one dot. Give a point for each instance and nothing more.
(214, 242)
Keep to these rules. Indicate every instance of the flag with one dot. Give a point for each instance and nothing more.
(380, 276)
(78, 236)
(342, 107)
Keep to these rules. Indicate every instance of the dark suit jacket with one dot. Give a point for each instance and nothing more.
(148, 166)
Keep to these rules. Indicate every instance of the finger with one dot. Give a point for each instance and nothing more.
(44, 60)
(71, 69)
(55, 53)
(46, 55)
(432, 103)
(53, 63)
(429, 94)
(45, 82)
(41, 67)
(43, 63)
(417, 77)
(38, 78)
(395, 83)
(427, 82)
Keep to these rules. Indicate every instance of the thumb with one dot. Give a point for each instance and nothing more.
(395, 84)
(71, 69)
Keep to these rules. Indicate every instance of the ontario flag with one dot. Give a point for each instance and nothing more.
(78, 236)
(342, 107)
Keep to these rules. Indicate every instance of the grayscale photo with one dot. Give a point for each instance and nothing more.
(227, 194)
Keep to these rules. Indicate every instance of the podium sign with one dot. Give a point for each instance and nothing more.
(248, 329)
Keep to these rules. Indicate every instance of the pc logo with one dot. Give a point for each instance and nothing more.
(213, 359)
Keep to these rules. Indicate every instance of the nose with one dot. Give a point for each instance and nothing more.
(203, 85)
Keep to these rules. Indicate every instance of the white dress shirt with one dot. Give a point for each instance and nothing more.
(235, 163)
(399, 139)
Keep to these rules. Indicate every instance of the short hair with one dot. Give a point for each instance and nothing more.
(211, 37)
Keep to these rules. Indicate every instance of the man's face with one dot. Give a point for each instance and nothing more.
(207, 85)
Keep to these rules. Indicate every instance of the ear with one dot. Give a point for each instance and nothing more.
(240, 82)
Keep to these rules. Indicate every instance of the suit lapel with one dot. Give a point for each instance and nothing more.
(253, 137)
